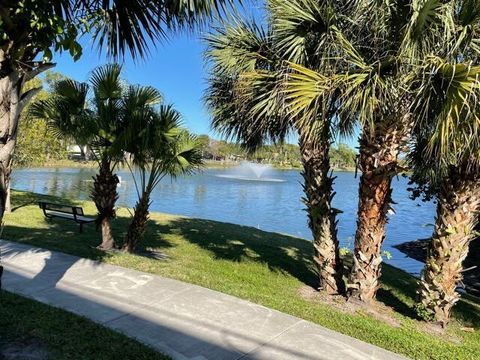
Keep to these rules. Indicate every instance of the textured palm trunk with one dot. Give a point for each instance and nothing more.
(137, 226)
(457, 216)
(10, 108)
(321, 215)
(104, 195)
(378, 162)
(108, 241)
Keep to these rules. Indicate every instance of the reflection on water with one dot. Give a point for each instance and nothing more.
(271, 206)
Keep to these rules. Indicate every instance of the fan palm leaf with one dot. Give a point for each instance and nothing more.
(133, 25)
(160, 148)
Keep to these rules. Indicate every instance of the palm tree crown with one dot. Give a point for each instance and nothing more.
(101, 113)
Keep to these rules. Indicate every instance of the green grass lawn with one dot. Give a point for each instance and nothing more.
(266, 268)
(62, 335)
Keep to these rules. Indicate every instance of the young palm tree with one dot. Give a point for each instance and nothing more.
(162, 148)
(99, 112)
(446, 163)
(247, 103)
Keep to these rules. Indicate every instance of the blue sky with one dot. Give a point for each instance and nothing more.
(176, 67)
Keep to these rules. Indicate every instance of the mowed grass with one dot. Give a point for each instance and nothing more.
(266, 268)
(61, 335)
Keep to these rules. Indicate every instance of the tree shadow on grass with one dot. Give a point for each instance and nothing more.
(31, 227)
(241, 243)
(226, 241)
(468, 311)
(399, 291)
(391, 300)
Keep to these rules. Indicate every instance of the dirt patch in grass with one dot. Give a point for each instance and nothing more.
(377, 310)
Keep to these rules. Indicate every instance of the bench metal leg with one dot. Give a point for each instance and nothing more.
(81, 228)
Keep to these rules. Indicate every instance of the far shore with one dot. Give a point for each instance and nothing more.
(209, 164)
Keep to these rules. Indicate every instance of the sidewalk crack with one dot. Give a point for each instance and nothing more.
(143, 306)
(271, 339)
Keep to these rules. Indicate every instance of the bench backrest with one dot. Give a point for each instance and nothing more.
(66, 209)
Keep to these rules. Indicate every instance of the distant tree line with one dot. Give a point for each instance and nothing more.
(282, 155)
(37, 146)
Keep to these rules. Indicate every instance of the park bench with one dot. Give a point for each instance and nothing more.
(74, 213)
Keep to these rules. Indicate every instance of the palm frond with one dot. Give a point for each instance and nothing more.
(447, 104)
(430, 24)
(106, 82)
(301, 29)
(134, 25)
(238, 47)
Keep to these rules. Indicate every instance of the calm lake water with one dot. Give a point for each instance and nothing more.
(271, 205)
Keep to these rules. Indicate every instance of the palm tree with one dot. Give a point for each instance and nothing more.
(377, 44)
(99, 113)
(339, 66)
(445, 152)
(27, 46)
(382, 69)
(162, 148)
(446, 163)
(247, 103)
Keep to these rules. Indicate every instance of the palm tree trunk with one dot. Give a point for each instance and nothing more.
(11, 105)
(137, 226)
(321, 215)
(108, 241)
(378, 162)
(12, 101)
(457, 216)
(104, 195)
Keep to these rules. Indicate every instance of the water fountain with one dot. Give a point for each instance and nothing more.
(250, 171)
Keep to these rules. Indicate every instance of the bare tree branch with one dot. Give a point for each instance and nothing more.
(38, 70)
(27, 96)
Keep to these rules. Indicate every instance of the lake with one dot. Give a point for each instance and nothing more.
(218, 194)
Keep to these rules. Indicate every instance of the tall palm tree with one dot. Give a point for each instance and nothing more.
(446, 163)
(99, 112)
(381, 72)
(446, 149)
(161, 148)
(247, 103)
(378, 43)
(27, 46)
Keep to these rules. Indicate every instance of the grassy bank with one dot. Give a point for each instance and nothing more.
(267, 268)
(40, 331)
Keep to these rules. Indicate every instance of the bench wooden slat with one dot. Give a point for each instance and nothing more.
(77, 218)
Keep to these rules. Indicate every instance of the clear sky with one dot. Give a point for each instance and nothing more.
(176, 67)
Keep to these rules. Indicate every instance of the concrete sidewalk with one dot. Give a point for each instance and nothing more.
(179, 319)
